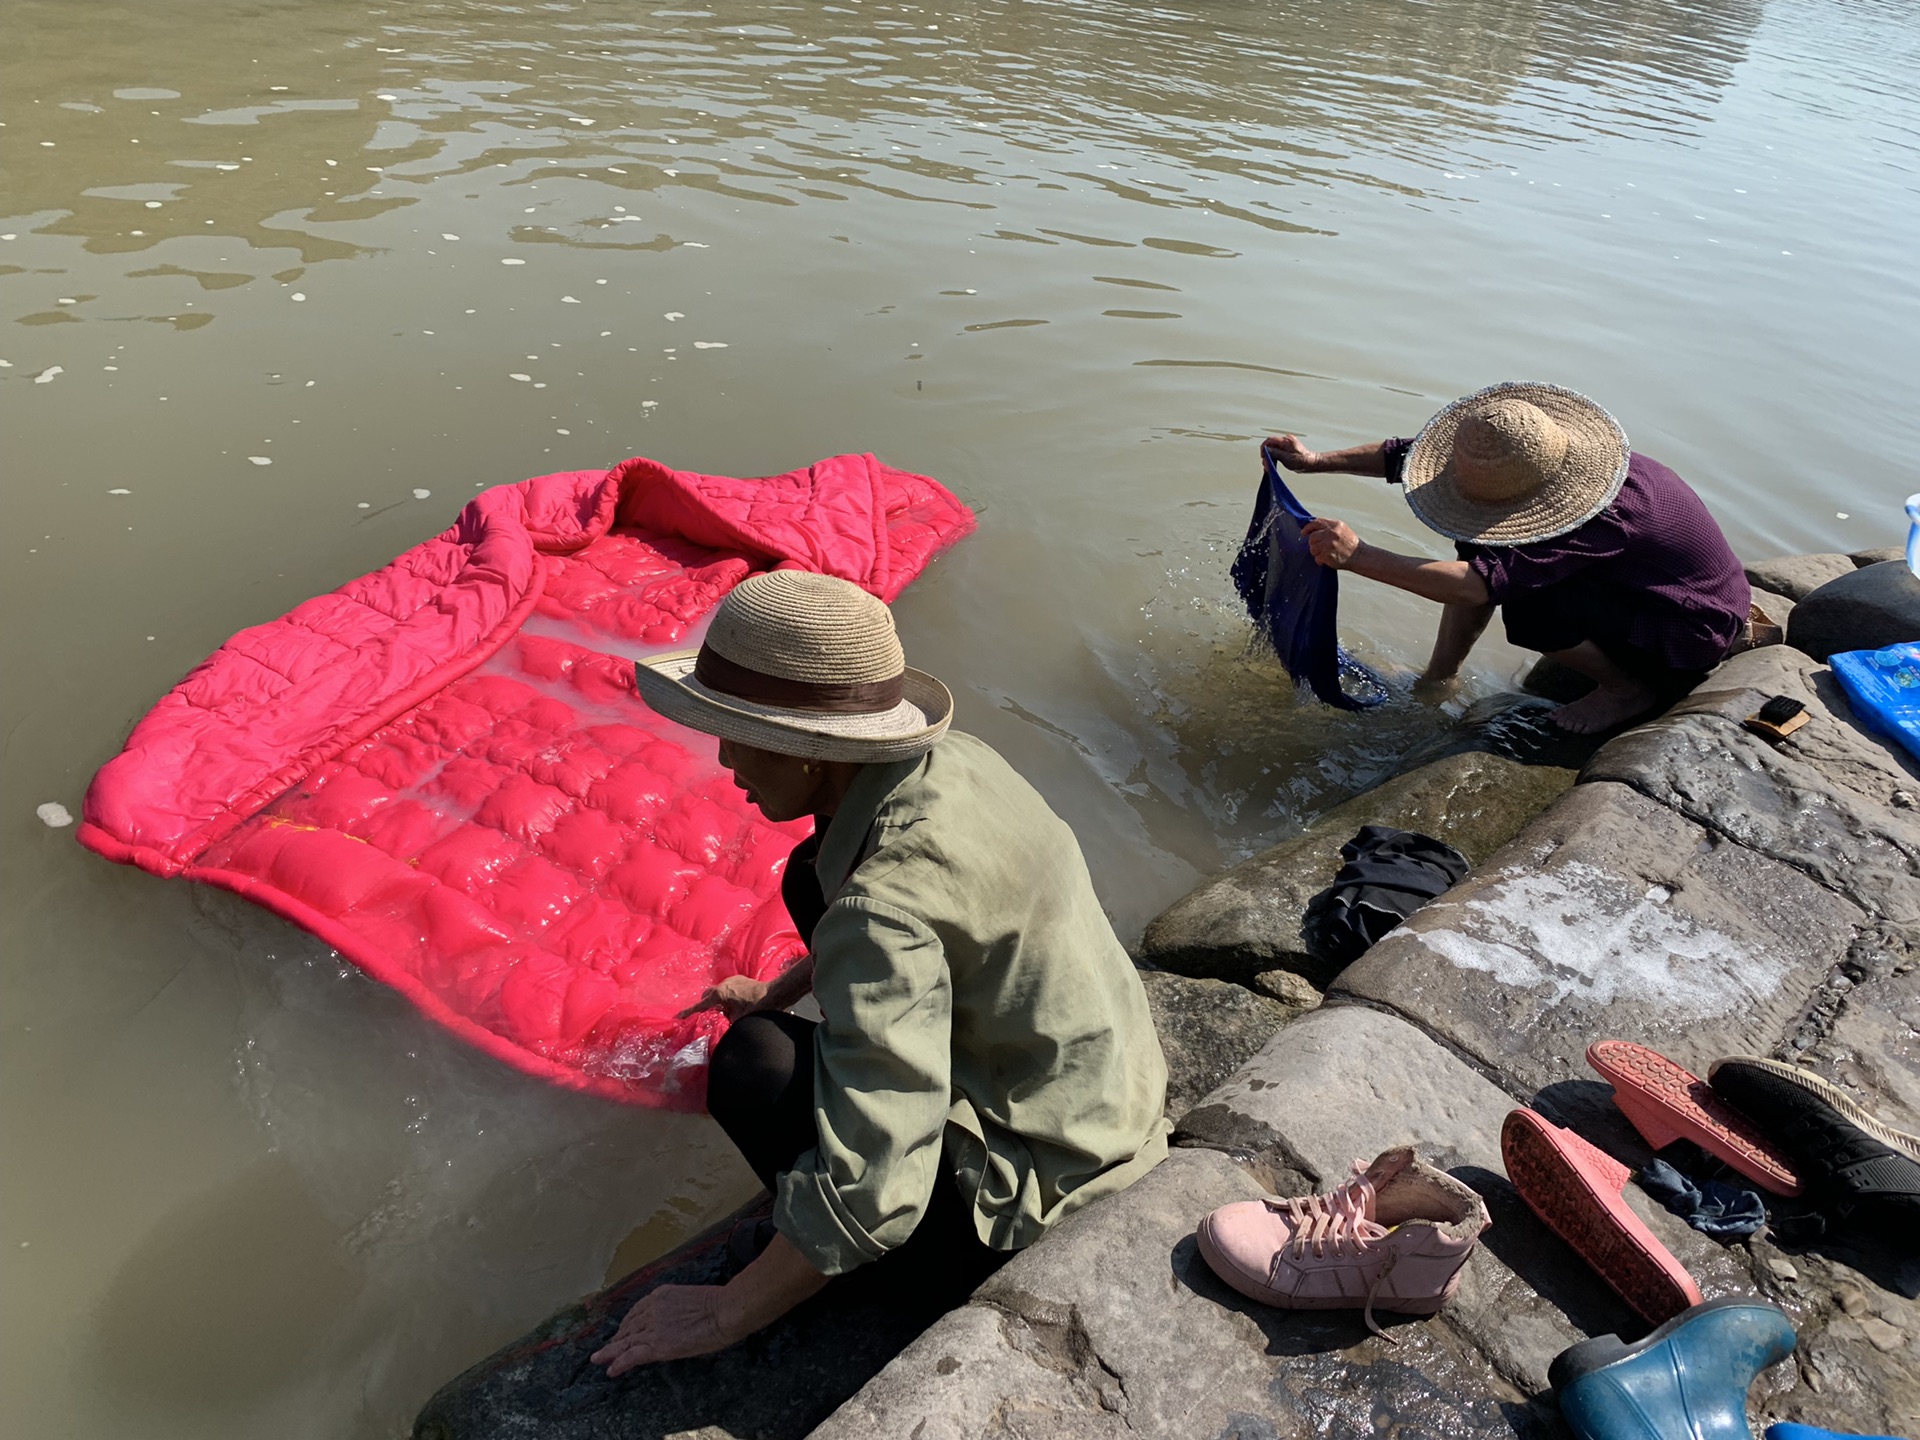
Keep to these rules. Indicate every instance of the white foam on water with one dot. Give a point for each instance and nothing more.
(54, 814)
(449, 237)
(516, 375)
(260, 459)
(1578, 932)
(423, 494)
(568, 300)
(510, 260)
(45, 377)
(119, 492)
(297, 295)
(709, 344)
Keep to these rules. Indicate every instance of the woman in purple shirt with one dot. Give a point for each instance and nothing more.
(1598, 557)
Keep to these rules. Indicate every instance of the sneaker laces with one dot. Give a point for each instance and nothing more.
(1336, 1219)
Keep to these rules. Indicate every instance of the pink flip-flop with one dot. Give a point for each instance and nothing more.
(1666, 1102)
(1576, 1190)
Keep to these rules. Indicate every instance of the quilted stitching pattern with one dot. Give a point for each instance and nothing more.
(521, 846)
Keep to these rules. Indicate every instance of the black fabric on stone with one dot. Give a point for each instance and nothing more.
(1387, 876)
(760, 1090)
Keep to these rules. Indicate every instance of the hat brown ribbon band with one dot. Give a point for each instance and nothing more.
(871, 697)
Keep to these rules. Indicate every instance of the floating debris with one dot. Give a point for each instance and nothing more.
(260, 459)
(568, 300)
(510, 260)
(709, 344)
(119, 492)
(54, 814)
(297, 295)
(422, 494)
(45, 377)
(516, 375)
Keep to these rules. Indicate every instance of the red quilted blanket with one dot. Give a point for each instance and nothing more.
(441, 768)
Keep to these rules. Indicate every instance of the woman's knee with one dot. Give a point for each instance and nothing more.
(754, 1062)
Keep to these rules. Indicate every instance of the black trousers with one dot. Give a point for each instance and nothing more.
(760, 1090)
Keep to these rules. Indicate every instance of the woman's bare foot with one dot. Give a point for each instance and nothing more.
(1604, 708)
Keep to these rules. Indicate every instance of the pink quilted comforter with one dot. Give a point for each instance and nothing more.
(441, 768)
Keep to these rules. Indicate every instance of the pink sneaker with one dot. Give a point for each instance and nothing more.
(1392, 1238)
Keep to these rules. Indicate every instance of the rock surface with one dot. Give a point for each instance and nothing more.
(1833, 800)
(1861, 610)
(1610, 916)
(1778, 607)
(544, 1385)
(1878, 556)
(1247, 920)
(1207, 1028)
(1115, 1327)
(1797, 576)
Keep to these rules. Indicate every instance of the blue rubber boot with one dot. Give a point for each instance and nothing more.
(1788, 1430)
(1688, 1380)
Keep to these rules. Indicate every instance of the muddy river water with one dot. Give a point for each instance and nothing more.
(283, 284)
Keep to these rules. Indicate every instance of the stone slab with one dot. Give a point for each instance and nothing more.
(544, 1385)
(1206, 1029)
(1347, 1082)
(1610, 916)
(1247, 919)
(1114, 1326)
(1797, 576)
(1879, 555)
(1864, 609)
(1778, 607)
(1833, 800)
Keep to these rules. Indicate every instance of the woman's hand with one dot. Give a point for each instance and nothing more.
(733, 997)
(676, 1321)
(670, 1323)
(1288, 452)
(1332, 542)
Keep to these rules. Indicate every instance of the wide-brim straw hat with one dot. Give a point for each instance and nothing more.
(806, 665)
(1540, 460)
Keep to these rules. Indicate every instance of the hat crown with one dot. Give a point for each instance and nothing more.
(805, 627)
(1505, 449)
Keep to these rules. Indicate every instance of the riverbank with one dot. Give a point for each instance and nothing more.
(1789, 874)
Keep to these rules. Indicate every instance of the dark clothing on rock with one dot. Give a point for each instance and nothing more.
(1651, 579)
(1387, 876)
(1715, 1208)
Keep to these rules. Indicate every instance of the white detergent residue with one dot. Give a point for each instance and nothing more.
(1576, 930)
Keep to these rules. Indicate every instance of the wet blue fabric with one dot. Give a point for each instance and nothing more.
(1293, 600)
(1713, 1207)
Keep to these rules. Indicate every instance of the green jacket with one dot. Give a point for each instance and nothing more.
(973, 993)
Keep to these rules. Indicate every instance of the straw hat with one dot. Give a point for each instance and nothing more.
(802, 664)
(1515, 463)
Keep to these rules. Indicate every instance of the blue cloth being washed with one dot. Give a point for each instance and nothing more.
(1293, 600)
(1713, 1207)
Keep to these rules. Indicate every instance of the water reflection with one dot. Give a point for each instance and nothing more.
(335, 121)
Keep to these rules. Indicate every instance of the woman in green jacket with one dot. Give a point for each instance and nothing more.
(985, 1064)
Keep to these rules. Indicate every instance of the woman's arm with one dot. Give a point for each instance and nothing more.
(1451, 582)
(1355, 460)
